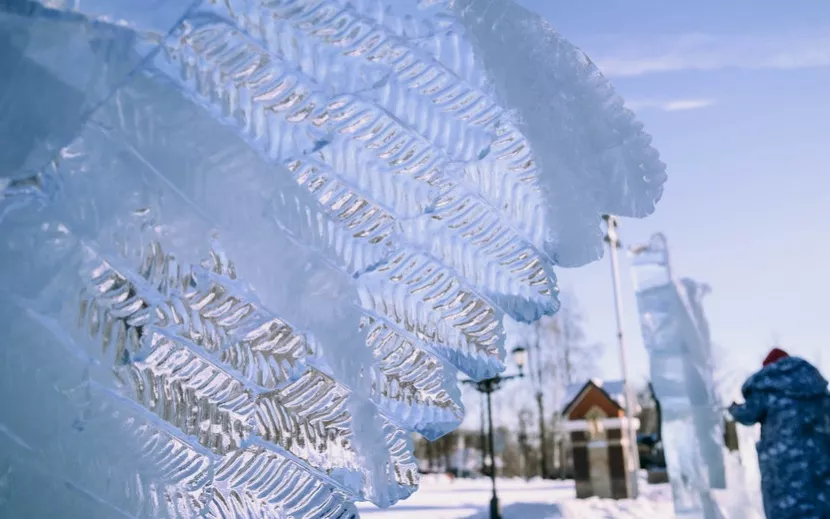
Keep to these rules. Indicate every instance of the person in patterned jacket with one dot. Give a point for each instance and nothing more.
(790, 399)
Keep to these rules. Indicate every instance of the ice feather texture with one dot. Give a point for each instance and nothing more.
(247, 245)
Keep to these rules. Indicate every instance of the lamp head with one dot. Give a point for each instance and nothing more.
(520, 358)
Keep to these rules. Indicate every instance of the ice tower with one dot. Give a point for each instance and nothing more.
(676, 335)
(246, 245)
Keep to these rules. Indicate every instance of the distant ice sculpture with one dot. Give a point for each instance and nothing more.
(676, 335)
(246, 245)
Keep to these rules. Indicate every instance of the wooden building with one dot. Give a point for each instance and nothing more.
(600, 444)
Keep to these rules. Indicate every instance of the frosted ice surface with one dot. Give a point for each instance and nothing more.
(580, 134)
(246, 246)
(676, 335)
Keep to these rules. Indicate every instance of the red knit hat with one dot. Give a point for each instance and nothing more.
(774, 356)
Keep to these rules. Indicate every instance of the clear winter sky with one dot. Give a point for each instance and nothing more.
(737, 98)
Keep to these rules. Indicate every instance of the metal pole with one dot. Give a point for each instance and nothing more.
(495, 509)
(483, 442)
(633, 458)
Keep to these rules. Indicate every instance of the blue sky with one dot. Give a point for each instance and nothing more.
(737, 98)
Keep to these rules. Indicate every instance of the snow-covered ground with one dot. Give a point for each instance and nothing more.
(441, 498)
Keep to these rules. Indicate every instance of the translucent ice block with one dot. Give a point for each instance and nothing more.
(676, 335)
(247, 246)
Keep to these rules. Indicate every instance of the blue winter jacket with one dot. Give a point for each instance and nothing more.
(791, 402)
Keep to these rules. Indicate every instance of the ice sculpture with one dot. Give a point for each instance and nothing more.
(246, 245)
(676, 335)
(746, 473)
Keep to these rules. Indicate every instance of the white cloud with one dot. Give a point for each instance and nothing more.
(670, 105)
(711, 52)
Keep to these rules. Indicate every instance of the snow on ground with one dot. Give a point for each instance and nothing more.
(441, 498)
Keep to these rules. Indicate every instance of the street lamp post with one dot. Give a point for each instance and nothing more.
(487, 387)
(483, 432)
(612, 238)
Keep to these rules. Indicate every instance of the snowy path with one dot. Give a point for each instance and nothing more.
(440, 498)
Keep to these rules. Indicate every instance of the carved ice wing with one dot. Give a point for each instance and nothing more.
(254, 241)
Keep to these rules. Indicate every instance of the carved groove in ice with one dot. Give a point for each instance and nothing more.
(248, 245)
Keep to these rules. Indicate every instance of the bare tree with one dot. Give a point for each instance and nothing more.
(511, 457)
(576, 355)
(562, 355)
